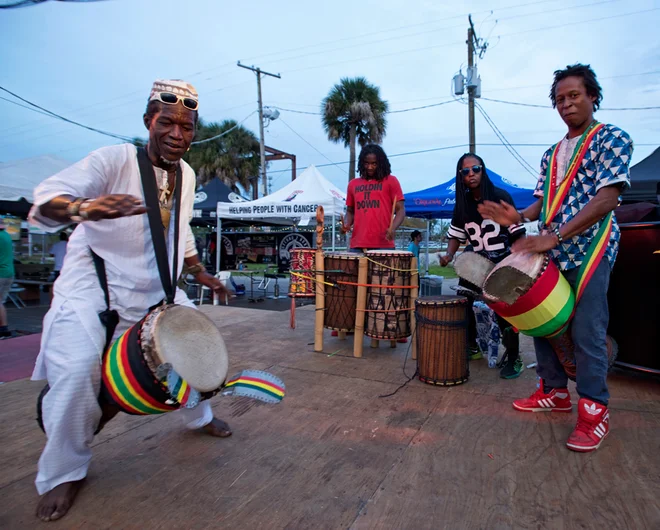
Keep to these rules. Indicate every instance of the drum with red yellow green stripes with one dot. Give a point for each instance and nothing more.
(531, 294)
(138, 367)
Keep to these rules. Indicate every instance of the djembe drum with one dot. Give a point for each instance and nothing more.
(341, 299)
(441, 336)
(302, 263)
(530, 292)
(388, 308)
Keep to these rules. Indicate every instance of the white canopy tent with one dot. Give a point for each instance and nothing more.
(296, 201)
(19, 178)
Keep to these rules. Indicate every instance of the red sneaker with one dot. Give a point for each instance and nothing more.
(557, 400)
(592, 427)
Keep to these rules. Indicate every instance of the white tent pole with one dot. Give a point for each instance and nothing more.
(428, 230)
(333, 230)
(218, 242)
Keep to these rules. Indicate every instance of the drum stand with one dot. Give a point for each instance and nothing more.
(358, 336)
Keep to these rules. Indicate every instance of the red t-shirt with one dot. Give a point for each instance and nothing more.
(372, 203)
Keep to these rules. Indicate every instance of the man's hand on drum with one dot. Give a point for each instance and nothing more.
(535, 244)
(112, 207)
(210, 281)
(502, 213)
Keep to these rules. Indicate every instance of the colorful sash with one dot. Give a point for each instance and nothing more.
(553, 198)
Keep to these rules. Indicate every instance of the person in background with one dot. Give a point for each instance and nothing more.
(6, 276)
(374, 202)
(413, 246)
(58, 251)
(487, 238)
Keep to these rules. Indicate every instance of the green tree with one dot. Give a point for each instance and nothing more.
(233, 157)
(353, 110)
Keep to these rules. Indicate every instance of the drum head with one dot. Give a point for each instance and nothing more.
(392, 252)
(193, 345)
(444, 299)
(473, 267)
(343, 255)
(513, 276)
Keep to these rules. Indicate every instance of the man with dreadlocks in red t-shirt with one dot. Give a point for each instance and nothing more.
(371, 201)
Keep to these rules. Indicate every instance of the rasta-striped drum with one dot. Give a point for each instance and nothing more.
(174, 357)
(529, 291)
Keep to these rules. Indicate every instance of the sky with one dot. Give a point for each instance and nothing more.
(95, 63)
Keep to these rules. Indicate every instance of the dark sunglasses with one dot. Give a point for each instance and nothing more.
(466, 170)
(173, 99)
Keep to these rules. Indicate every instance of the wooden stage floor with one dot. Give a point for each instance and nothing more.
(335, 455)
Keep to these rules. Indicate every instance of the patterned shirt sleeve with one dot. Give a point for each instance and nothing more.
(614, 159)
(538, 191)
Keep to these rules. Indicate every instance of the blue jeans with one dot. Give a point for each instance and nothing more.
(588, 331)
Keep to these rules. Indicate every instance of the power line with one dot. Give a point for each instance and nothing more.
(389, 112)
(526, 166)
(550, 106)
(225, 132)
(57, 116)
(315, 149)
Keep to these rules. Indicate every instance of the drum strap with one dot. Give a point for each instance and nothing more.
(156, 225)
(109, 318)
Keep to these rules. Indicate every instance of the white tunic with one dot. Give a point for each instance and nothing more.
(124, 244)
(73, 336)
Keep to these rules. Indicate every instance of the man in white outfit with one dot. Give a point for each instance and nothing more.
(103, 193)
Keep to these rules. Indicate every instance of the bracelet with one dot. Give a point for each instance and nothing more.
(82, 209)
(523, 219)
(560, 239)
(73, 210)
(196, 269)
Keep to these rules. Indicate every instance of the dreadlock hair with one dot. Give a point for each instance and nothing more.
(588, 77)
(486, 187)
(384, 168)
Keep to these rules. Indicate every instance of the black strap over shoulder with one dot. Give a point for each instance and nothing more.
(156, 225)
(109, 318)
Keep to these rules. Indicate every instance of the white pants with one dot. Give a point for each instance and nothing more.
(70, 355)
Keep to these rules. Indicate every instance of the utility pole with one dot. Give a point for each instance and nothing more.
(262, 153)
(471, 89)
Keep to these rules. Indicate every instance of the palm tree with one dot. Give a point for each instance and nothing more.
(233, 157)
(354, 110)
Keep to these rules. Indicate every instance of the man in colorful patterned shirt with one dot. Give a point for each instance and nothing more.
(581, 181)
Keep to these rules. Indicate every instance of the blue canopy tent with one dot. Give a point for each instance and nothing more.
(438, 202)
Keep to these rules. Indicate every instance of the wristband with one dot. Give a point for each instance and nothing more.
(523, 219)
(73, 210)
(559, 238)
(196, 269)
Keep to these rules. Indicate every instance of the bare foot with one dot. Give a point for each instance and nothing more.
(57, 502)
(217, 428)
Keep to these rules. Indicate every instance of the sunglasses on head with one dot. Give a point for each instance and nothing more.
(466, 170)
(173, 99)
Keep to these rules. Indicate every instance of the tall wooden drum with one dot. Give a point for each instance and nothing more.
(441, 335)
(341, 299)
(302, 262)
(388, 308)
